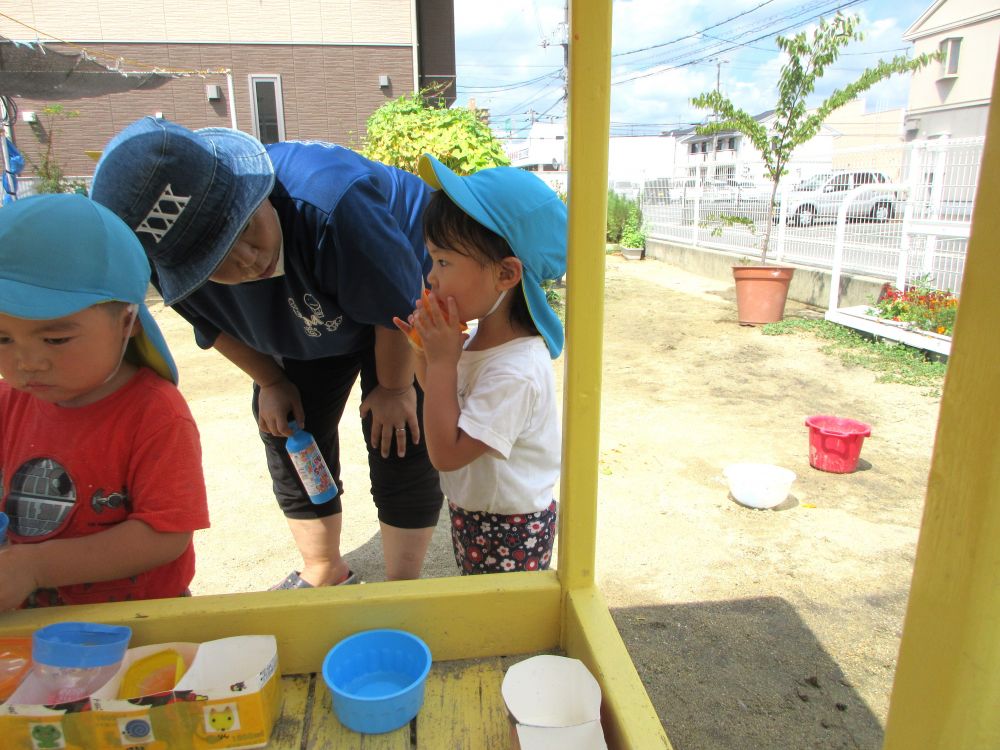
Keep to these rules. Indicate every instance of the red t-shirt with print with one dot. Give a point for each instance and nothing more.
(70, 472)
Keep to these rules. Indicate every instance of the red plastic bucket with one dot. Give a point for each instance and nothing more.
(835, 443)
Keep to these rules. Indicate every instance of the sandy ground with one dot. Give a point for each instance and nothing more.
(750, 629)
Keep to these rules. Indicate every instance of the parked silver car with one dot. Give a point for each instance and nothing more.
(820, 197)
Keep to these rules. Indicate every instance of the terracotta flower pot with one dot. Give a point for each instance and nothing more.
(761, 292)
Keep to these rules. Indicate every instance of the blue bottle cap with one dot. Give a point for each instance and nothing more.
(293, 425)
(80, 644)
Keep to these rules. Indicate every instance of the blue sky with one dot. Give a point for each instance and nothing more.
(509, 56)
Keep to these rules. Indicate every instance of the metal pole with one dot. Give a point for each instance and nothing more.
(232, 98)
(4, 115)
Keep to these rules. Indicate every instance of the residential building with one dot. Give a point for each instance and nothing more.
(542, 152)
(867, 140)
(951, 98)
(729, 154)
(300, 70)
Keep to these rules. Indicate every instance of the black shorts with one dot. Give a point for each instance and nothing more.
(406, 490)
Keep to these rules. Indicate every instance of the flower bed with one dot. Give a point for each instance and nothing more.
(917, 306)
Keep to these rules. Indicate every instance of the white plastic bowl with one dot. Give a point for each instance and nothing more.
(759, 485)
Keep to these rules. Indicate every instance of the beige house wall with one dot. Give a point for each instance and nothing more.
(855, 128)
(977, 22)
(210, 21)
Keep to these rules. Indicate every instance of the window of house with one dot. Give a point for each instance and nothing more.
(704, 147)
(732, 143)
(720, 144)
(694, 148)
(950, 48)
(268, 113)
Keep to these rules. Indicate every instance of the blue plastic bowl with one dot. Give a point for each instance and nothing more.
(377, 679)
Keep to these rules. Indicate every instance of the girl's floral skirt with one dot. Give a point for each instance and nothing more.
(492, 543)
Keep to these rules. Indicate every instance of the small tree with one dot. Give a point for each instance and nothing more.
(401, 130)
(49, 170)
(808, 59)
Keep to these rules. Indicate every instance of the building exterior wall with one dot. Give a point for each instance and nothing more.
(955, 105)
(213, 22)
(331, 59)
(436, 40)
(855, 128)
(328, 92)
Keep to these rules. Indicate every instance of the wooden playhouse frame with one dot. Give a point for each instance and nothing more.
(942, 697)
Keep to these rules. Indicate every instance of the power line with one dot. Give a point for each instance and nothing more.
(694, 33)
(715, 53)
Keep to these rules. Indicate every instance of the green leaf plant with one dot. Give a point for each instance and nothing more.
(807, 59)
(49, 170)
(402, 129)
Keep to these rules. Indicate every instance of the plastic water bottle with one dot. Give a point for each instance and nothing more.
(4, 523)
(310, 465)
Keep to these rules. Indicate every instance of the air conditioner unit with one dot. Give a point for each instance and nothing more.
(213, 92)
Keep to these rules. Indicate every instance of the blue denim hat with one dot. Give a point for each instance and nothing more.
(60, 254)
(187, 194)
(528, 214)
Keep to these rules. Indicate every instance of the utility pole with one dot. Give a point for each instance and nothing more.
(565, 46)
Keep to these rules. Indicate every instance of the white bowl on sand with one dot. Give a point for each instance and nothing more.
(759, 485)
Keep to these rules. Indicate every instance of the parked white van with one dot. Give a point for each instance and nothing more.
(820, 197)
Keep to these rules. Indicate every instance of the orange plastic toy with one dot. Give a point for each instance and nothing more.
(414, 337)
(15, 661)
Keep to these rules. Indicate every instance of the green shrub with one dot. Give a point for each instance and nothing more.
(617, 214)
(632, 234)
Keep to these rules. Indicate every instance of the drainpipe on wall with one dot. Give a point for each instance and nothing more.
(414, 35)
(232, 98)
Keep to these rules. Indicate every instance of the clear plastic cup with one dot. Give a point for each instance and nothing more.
(74, 659)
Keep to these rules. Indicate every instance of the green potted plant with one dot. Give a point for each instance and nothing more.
(761, 290)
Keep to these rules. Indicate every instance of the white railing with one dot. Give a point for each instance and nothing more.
(919, 230)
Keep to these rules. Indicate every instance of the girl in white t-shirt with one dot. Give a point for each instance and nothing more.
(490, 419)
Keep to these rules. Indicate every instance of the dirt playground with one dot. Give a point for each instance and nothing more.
(751, 629)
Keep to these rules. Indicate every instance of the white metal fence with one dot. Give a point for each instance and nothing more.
(29, 185)
(909, 216)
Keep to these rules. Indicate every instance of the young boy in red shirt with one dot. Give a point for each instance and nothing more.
(100, 459)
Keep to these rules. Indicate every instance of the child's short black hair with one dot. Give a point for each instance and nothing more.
(448, 226)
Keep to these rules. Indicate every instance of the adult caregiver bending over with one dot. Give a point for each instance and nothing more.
(291, 260)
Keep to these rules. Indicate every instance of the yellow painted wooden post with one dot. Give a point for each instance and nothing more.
(947, 687)
(589, 115)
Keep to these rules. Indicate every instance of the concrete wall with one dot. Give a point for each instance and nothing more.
(810, 286)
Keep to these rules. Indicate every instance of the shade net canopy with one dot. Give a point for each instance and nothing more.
(32, 70)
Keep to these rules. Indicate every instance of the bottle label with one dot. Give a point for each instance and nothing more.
(313, 471)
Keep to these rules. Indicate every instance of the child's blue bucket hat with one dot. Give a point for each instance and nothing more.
(528, 214)
(187, 194)
(60, 254)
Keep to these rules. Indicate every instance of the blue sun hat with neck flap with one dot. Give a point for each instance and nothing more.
(528, 214)
(60, 254)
